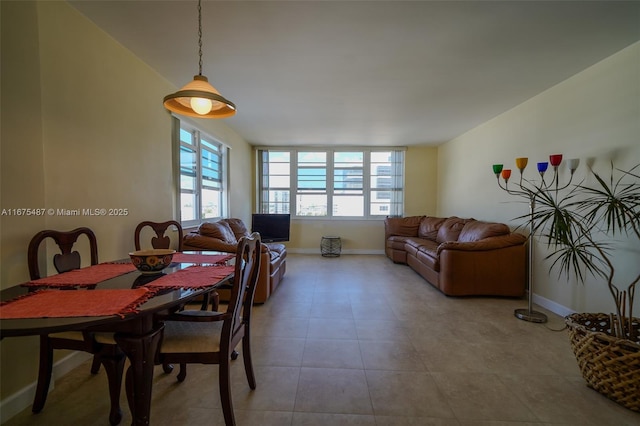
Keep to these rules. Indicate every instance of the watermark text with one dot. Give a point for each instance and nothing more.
(41, 211)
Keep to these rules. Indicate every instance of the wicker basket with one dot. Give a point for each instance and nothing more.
(609, 365)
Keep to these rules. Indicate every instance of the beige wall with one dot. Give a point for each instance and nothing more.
(22, 172)
(83, 126)
(357, 236)
(22, 182)
(593, 115)
(421, 181)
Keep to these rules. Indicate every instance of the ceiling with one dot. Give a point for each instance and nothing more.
(384, 73)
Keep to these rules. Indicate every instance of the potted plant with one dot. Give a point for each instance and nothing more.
(580, 225)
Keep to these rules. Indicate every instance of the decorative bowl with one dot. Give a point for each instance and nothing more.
(151, 261)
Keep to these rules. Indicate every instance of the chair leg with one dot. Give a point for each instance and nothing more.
(95, 365)
(182, 374)
(215, 301)
(225, 392)
(114, 367)
(44, 374)
(246, 357)
(213, 298)
(205, 302)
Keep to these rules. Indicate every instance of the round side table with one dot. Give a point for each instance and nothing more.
(330, 246)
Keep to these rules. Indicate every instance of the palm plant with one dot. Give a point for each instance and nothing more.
(579, 226)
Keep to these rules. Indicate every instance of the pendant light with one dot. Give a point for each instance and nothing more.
(199, 98)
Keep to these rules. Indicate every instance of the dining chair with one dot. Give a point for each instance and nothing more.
(101, 345)
(160, 241)
(205, 337)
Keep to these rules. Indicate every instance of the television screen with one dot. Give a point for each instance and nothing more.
(272, 227)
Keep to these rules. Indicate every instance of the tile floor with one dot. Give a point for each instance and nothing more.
(358, 340)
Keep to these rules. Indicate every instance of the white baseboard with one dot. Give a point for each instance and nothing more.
(552, 306)
(317, 251)
(22, 399)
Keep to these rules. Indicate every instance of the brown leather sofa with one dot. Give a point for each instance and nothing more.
(223, 235)
(461, 257)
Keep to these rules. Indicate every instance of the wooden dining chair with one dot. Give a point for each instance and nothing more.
(101, 345)
(160, 241)
(205, 337)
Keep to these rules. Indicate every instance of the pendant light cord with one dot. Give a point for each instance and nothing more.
(198, 98)
(200, 37)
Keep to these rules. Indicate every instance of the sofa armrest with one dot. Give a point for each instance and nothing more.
(495, 266)
(486, 244)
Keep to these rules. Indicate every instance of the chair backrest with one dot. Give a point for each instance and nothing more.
(160, 241)
(66, 260)
(247, 266)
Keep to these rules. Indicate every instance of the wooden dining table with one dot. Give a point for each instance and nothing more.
(136, 331)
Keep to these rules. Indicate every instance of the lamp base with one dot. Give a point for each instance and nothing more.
(529, 315)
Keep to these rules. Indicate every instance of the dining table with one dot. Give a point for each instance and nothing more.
(115, 297)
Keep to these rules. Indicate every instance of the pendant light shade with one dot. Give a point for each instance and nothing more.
(199, 98)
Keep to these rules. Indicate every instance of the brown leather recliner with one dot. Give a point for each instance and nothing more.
(461, 257)
(223, 235)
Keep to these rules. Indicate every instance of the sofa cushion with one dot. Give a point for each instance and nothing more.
(476, 230)
(220, 230)
(428, 260)
(403, 226)
(430, 248)
(429, 227)
(416, 242)
(411, 244)
(396, 242)
(450, 229)
(237, 226)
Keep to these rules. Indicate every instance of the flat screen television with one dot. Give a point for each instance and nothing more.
(272, 227)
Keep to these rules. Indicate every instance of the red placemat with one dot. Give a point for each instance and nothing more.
(202, 258)
(84, 277)
(193, 277)
(75, 303)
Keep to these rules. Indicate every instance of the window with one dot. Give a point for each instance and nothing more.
(311, 191)
(275, 178)
(350, 183)
(386, 171)
(203, 177)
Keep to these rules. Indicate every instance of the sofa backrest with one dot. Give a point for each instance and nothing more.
(402, 226)
(429, 227)
(450, 229)
(443, 229)
(475, 230)
(220, 230)
(238, 227)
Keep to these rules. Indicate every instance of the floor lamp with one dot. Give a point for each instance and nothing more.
(528, 190)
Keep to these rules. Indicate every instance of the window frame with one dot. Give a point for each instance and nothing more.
(198, 135)
(292, 192)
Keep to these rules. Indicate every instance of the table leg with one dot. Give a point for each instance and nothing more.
(141, 351)
(113, 364)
